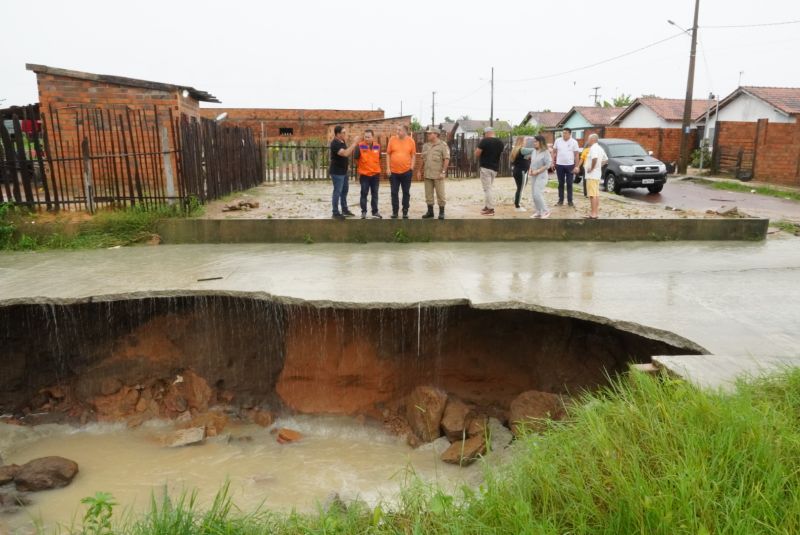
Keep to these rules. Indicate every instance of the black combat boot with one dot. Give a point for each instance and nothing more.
(429, 213)
(441, 212)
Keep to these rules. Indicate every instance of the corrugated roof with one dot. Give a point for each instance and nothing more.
(121, 80)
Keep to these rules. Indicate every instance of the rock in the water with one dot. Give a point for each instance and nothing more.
(45, 473)
(533, 405)
(12, 500)
(261, 417)
(186, 437)
(212, 421)
(188, 391)
(288, 435)
(464, 452)
(7, 473)
(455, 419)
(424, 410)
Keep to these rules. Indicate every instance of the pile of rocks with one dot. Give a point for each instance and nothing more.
(431, 415)
(44, 473)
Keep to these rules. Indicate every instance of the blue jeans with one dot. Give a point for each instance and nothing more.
(369, 184)
(340, 189)
(565, 177)
(397, 181)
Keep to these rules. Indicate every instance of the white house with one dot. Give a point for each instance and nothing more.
(751, 103)
(653, 112)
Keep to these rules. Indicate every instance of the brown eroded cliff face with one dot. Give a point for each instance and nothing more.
(104, 360)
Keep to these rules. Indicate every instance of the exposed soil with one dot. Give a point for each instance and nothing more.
(160, 357)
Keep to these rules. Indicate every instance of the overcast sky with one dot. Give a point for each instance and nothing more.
(362, 55)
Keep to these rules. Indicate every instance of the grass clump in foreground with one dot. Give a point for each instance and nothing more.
(646, 455)
(22, 230)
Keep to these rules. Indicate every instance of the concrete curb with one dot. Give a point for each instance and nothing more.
(176, 231)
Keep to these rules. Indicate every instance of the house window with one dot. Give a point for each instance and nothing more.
(578, 134)
(286, 131)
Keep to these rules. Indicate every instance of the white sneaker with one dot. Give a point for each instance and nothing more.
(536, 215)
(520, 209)
(545, 215)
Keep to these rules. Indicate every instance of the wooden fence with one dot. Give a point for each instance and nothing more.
(84, 158)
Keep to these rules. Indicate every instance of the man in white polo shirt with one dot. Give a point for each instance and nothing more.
(594, 171)
(566, 150)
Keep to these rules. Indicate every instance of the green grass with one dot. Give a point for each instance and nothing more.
(646, 455)
(787, 226)
(105, 229)
(745, 188)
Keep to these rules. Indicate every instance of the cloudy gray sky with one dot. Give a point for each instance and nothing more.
(328, 54)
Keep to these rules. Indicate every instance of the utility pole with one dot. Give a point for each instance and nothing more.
(491, 108)
(401, 108)
(596, 95)
(433, 108)
(683, 161)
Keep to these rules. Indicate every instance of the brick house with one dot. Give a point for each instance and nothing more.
(62, 88)
(546, 120)
(274, 124)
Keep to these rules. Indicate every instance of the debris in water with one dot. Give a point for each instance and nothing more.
(209, 279)
(465, 452)
(187, 437)
(286, 436)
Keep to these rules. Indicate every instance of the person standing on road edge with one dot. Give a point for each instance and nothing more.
(401, 159)
(436, 156)
(541, 162)
(368, 156)
(594, 171)
(489, 151)
(520, 164)
(340, 159)
(566, 149)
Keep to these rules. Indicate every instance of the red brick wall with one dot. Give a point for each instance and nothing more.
(733, 134)
(306, 124)
(382, 129)
(664, 142)
(777, 158)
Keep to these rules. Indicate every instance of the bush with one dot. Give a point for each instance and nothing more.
(695, 157)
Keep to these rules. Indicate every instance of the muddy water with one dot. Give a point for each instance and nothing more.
(337, 454)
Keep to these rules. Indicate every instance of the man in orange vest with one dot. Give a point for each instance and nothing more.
(368, 156)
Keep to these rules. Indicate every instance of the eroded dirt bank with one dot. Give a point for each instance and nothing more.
(166, 357)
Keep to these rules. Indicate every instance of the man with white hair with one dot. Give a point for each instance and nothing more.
(594, 171)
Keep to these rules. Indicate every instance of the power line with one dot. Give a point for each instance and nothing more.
(645, 47)
(781, 23)
(459, 99)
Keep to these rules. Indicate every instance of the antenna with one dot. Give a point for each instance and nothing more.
(596, 95)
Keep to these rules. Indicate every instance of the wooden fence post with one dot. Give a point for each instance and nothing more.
(88, 182)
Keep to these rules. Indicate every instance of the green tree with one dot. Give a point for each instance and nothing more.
(415, 125)
(526, 130)
(622, 101)
(464, 118)
(447, 119)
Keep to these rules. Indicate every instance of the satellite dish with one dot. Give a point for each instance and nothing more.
(222, 116)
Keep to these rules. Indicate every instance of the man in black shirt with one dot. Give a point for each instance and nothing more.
(340, 158)
(488, 152)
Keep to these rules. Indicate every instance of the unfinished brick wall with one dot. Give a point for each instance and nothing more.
(777, 157)
(664, 142)
(304, 124)
(381, 128)
(775, 148)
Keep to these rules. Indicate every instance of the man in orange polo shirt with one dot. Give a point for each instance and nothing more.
(401, 155)
(368, 156)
